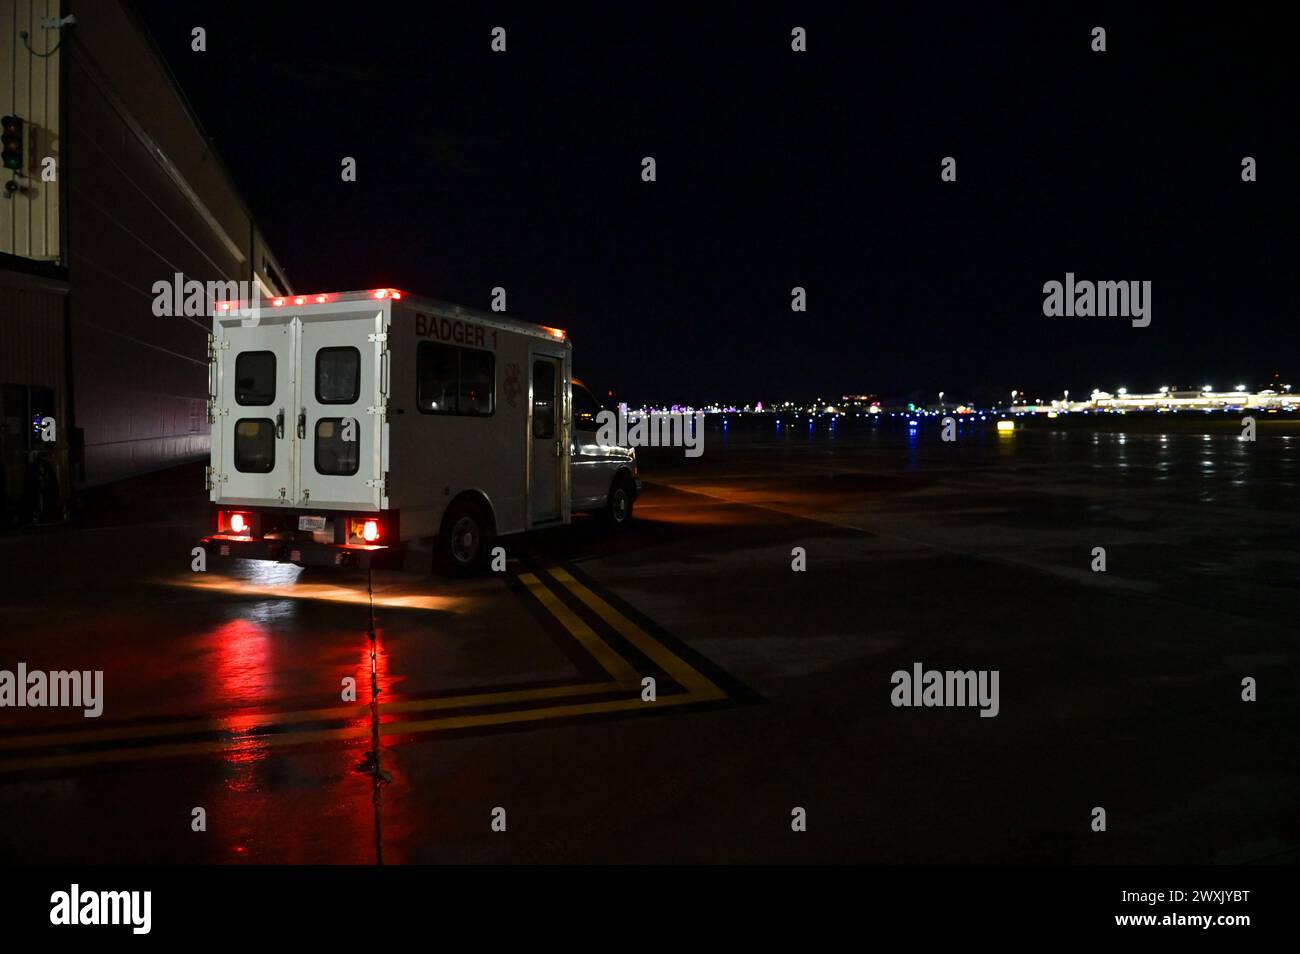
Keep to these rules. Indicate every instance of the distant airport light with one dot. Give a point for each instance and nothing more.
(1005, 426)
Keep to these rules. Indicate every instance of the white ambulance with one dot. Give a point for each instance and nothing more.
(348, 428)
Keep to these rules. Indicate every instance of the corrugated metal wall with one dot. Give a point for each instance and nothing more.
(145, 199)
(138, 376)
(29, 89)
(33, 341)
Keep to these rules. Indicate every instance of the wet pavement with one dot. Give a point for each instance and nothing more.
(523, 691)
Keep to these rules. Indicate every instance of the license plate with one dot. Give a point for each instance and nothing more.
(311, 523)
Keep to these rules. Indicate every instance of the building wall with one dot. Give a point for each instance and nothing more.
(32, 310)
(145, 199)
(29, 88)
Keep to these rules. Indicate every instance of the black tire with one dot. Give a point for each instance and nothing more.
(465, 543)
(617, 513)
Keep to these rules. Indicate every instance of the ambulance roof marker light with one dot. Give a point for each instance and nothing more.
(381, 293)
(278, 302)
(299, 300)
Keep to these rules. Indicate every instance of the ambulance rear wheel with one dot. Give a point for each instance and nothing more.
(465, 542)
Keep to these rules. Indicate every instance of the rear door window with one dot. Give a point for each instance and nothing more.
(335, 454)
(338, 375)
(255, 445)
(255, 378)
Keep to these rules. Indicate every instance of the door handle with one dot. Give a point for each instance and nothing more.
(302, 424)
(279, 424)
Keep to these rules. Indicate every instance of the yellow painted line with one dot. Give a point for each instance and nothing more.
(533, 715)
(248, 723)
(687, 676)
(249, 746)
(698, 689)
(107, 757)
(610, 661)
(624, 676)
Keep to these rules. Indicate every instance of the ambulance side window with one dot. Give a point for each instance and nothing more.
(255, 378)
(477, 381)
(437, 370)
(452, 380)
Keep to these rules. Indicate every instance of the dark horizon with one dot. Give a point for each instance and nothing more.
(777, 169)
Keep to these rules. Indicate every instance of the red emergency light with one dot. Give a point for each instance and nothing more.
(321, 298)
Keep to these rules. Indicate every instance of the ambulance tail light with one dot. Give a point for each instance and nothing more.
(237, 522)
(367, 531)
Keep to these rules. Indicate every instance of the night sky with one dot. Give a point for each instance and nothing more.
(778, 169)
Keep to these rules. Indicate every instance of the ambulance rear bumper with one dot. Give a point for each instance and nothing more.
(220, 546)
